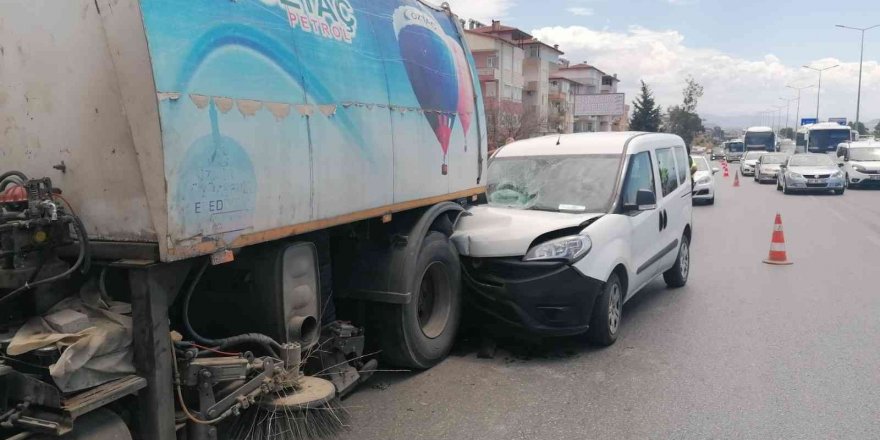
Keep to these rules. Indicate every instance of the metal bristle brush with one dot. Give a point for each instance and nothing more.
(310, 410)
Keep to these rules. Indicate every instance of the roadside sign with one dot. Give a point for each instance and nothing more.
(605, 104)
(841, 121)
(807, 121)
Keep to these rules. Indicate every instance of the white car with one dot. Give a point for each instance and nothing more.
(704, 180)
(747, 165)
(575, 225)
(861, 163)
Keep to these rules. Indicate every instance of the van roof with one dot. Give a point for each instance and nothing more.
(759, 129)
(579, 143)
(862, 144)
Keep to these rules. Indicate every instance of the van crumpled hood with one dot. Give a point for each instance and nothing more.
(504, 232)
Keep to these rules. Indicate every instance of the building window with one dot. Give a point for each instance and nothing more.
(607, 80)
(492, 61)
(533, 52)
(490, 89)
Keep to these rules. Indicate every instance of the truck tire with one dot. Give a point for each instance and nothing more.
(605, 322)
(420, 334)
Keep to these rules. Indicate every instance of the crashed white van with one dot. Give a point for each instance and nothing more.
(574, 226)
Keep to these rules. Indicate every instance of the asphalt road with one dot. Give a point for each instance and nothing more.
(745, 351)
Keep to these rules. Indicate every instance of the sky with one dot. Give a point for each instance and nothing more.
(744, 52)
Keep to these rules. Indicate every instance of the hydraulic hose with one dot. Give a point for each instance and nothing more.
(269, 344)
(84, 254)
(8, 174)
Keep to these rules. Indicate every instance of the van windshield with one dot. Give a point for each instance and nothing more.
(735, 147)
(871, 154)
(554, 183)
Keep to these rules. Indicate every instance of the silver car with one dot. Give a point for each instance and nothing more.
(768, 165)
(810, 172)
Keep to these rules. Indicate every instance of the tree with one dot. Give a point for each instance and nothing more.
(502, 124)
(718, 133)
(877, 129)
(787, 133)
(646, 114)
(862, 129)
(683, 120)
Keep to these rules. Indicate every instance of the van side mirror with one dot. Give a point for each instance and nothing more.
(646, 200)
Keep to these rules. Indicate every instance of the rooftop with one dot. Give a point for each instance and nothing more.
(574, 144)
(498, 28)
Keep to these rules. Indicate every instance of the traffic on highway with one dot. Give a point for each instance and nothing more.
(418, 219)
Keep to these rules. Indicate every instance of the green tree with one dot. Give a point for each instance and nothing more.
(862, 129)
(683, 119)
(646, 114)
(877, 130)
(787, 133)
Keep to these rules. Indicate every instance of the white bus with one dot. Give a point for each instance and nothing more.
(823, 137)
(760, 138)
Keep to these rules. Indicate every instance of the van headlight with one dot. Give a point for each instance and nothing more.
(570, 249)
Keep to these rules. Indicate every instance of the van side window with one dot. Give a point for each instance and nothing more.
(684, 165)
(640, 175)
(668, 173)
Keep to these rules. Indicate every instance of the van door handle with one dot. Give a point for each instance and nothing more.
(661, 221)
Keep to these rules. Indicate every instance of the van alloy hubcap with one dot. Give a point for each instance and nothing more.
(614, 308)
(684, 260)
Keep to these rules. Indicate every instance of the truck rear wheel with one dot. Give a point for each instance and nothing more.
(420, 334)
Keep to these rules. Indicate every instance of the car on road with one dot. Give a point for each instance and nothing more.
(810, 172)
(767, 166)
(861, 163)
(717, 153)
(749, 159)
(573, 227)
(704, 181)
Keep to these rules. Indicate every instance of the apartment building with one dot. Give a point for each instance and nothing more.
(593, 81)
(499, 63)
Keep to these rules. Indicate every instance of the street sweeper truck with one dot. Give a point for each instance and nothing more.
(217, 217)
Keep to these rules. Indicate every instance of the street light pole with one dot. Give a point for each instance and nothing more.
(819, 91)
(787, 109)
(861, 59)
(797, 119)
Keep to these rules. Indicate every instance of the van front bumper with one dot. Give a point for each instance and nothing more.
(546, 298)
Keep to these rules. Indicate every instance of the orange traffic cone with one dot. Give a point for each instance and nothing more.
(778, 256)
(736, 179)
(726, 172)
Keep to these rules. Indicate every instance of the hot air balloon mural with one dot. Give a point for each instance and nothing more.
(431, 68)
(465, 87)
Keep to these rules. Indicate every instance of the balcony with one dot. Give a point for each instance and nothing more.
(558, 96)
(488, 73)
(531, 86)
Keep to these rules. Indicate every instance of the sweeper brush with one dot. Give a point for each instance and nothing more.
(310, 410)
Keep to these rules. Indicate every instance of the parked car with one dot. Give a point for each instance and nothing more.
(574, 226)
(861, 163)
(704, 181)
(810, 172)
(749, 159)
(767, 166)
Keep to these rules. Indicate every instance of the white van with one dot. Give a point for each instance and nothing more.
(861, 163)
(575, 225)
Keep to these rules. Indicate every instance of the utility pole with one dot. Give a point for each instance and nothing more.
(819, 91)
(797, 119)
(788, 110)
(861, 58)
